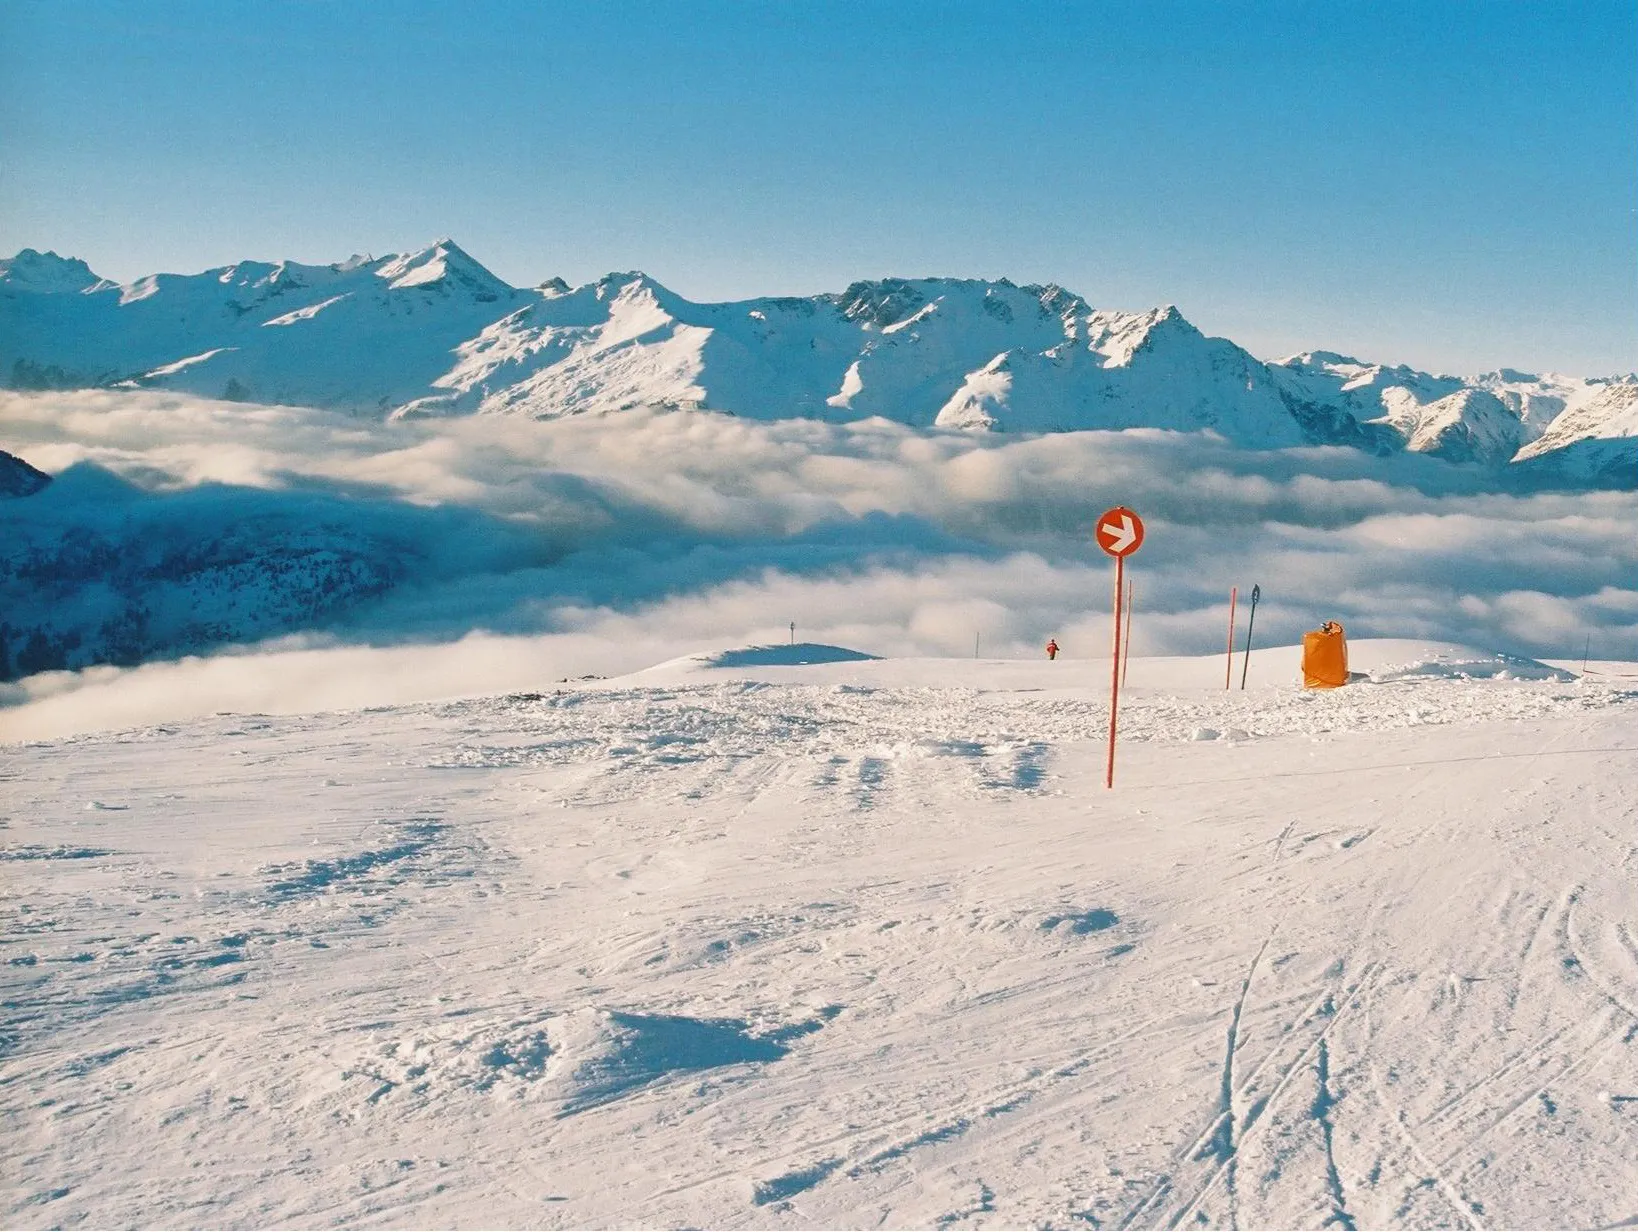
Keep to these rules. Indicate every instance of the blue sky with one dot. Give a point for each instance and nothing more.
(1450, 185)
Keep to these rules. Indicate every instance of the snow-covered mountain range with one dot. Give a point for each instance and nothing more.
(434, 333)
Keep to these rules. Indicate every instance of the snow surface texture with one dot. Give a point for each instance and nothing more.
(180, 526)
(434, 333)
(739, 941)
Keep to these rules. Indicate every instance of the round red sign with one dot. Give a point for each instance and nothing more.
(1120, 531)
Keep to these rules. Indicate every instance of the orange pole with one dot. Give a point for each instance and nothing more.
(1114, 672)
(1228, 672)
(1126, 648)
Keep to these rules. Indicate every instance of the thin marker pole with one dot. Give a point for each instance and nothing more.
(1228, 668)
(1114, 672)
(1126, 649)
(1256, 594)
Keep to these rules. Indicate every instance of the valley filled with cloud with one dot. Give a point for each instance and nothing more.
(195, 555)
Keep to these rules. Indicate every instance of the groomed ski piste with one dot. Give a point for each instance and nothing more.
(794, 937)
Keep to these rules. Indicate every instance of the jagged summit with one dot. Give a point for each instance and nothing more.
(443, 264)
(433, 332)
(887, 304)
(45, 273)
(1321, 359)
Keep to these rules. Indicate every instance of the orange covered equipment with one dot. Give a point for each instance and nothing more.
(1324, 657)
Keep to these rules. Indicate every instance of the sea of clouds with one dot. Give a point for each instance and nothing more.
(540, 551)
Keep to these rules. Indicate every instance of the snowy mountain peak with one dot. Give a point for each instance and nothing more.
(1120, 336)
(627, 284)
(890, 305)
(1320, 359)
(433, 332)
(1057, 301)
(1592, 438)
(266, 278)
(443, 265)
(881, 303)
(45, 273)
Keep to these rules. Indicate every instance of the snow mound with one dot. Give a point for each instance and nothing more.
(604, 1054)
(579, 1060)
(797, 654)
(1383, 664)
(502, 1060)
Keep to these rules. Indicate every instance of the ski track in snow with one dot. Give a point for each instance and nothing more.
(754, 953)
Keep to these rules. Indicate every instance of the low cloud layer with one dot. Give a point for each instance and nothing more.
(532, 551)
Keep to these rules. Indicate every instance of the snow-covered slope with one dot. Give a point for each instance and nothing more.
(864, 943)
(1593, 438)
(362, 335)
(434, 333)
(1494, 418)
(932, 351)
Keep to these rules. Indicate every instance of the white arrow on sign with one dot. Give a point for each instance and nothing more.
(1120, 534)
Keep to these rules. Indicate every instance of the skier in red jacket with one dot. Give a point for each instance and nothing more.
(1052, 648)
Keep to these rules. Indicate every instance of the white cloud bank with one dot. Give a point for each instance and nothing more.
(525, 552)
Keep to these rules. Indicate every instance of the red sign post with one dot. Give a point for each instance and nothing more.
(1119, 533)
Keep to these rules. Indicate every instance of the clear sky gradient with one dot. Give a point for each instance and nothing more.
(1451, 185)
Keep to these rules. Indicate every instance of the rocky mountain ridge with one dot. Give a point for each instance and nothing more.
(434, 333)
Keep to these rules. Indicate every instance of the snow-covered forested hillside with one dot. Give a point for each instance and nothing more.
(434, 333)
